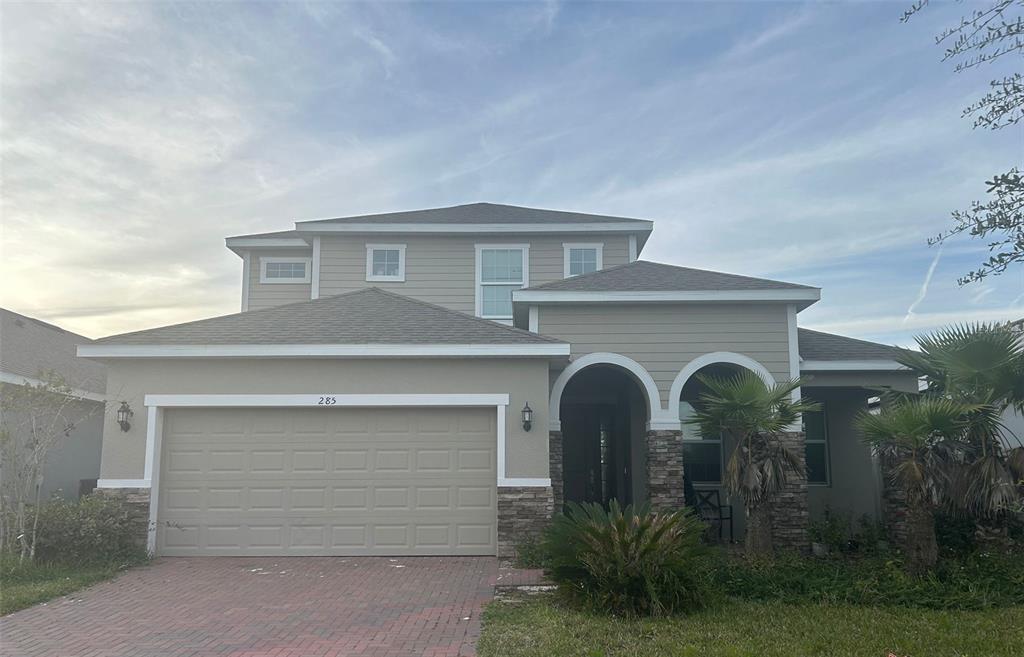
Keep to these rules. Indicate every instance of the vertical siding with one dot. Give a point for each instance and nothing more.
(263, 295)
(441, 269)
(665, 337)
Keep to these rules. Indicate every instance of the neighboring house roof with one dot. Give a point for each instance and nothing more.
(645, 276)
(476, 213)
(356, 320)
(29, 347)
(820, 350)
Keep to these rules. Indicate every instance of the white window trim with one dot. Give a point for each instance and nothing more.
(828, 452)
(400, 277)
(156, 404)
(480, 248)
(285, 281)
(567, 247)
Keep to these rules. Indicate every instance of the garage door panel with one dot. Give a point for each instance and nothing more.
(328, 481)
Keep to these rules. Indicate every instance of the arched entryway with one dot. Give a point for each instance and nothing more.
(603, 410)
(705, 456)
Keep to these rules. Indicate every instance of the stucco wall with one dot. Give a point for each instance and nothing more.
(441, 269)
(854, 486)
(525, 380)
(74, 457)
(665, 337)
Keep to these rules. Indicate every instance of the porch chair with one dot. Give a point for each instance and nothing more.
(709, 506)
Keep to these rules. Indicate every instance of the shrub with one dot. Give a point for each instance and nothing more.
(629, 561)
(832, 530)
(530, 554)
(94, 529)
(977, 581)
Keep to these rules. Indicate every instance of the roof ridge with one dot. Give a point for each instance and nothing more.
(491, 323)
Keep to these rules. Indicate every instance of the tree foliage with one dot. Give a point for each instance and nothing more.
(35, 418)
(986, 34)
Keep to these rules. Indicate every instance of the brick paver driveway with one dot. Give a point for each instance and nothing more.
(265, 607)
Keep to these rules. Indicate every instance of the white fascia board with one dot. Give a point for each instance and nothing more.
(19, 380)
(609, 227)
(569, 296)
(852, 366)
(321, 400)
(324, 351)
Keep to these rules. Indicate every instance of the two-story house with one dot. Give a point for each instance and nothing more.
(438, 381)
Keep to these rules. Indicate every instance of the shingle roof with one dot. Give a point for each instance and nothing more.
(367, 316)
(477, 213)
(815, 345)
(644, 276)
(29, 346)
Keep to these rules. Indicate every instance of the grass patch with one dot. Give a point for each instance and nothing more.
(539, 627)
(28, 584)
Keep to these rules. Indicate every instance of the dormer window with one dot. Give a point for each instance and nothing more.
(385, 262)
(582, 258)
(285, 270)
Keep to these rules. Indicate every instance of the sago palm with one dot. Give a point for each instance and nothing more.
(757, 416)
(921, 440)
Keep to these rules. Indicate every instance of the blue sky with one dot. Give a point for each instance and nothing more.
(816, 143)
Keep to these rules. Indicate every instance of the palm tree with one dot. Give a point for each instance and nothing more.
(921, 440)
(980, 365)
(757, 416)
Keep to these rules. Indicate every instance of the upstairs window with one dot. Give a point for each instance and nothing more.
(385, 262)
(816, 448)
(285, 270)
(500, 269)
(582, 258)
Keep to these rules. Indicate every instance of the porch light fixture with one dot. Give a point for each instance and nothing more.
(527, 417)
(124, 414)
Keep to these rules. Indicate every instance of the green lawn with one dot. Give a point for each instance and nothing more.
(539, 626)
(25, 585)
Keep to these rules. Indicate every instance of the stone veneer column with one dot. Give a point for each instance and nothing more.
(557, 477)
(789, 513)
(523, 514)
(137, 501)
(665, 469)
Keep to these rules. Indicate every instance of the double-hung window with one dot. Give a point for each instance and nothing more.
(285, 270)
(816, 447)
(385, 262)
(702, 455)
(500, 269)
(582, 258)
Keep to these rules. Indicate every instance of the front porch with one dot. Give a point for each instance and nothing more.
(608, 447)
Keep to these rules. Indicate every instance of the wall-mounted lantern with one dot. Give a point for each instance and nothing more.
(527, 417)
(124, 415)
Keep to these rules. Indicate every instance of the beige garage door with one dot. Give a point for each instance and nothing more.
(316, 481)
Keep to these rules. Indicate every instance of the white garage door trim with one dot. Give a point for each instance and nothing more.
(154, 430)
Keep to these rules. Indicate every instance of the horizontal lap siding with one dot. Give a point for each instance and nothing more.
(664, 338)
(263, 295)
(442, 269)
